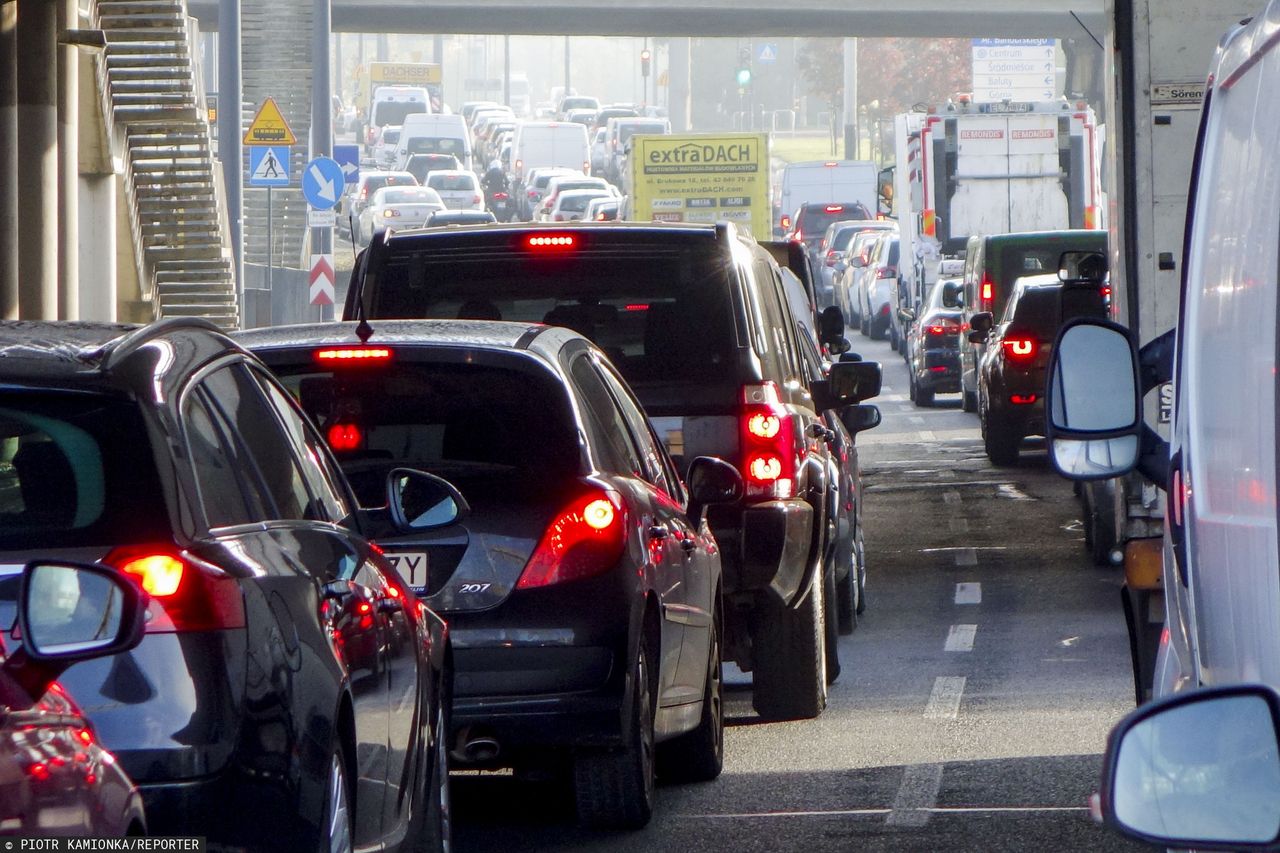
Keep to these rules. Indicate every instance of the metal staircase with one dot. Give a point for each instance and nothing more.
(172, 181)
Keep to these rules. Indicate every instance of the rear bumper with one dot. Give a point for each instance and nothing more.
(765, 546)
(939, 370)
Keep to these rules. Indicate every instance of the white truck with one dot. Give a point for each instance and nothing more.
(1156, 75)
(990, 168)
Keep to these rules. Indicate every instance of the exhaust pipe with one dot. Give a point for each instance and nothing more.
(475, 746)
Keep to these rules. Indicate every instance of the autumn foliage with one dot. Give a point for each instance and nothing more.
(897, 72)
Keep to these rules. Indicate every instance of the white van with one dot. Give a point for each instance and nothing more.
(549, 144)
(435, 134)
(843, 181)
(1193, 767)
(391, 105)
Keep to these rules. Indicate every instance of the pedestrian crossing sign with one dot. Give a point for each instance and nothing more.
(269, 166)
(269, 127)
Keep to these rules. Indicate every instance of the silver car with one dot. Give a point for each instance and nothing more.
(397, 208)
(458, 188)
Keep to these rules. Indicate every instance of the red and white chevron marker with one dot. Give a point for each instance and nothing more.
(321, 279)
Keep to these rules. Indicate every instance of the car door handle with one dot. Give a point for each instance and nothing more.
(659, 531)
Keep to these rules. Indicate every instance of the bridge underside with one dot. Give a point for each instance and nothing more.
(862, 18)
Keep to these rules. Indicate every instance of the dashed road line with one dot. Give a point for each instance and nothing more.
(944, 701)
(925, 435)
(916, 419)
(951, 497)
(917, 795)
(969, 593)
(960, 638)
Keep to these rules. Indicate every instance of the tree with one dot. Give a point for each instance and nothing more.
(897, 72)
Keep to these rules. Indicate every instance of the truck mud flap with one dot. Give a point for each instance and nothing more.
(776, 540)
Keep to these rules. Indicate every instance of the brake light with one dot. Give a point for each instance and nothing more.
(785, 222)
(886, 272)
(533, 194)
(476, 199)
(551, 241)
(352, 355)
(559, 217)
(988, 290)
(498, 197)
(834, 208)
(586, 538)
(186, 594)
(364, 192)
(943, 327)
(829, 164)
(1022, 399)
(1020, 349)
(586, 167)
(344, 438)
(768, 443)
(519, 167)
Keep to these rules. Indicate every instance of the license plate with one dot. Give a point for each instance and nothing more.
(412, 566)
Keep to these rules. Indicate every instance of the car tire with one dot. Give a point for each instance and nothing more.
(877, 331)
(860, 549)
(847, 602)
(999, 440)
(437, 830)
(335, 823)
(864, 326)
(893, 338)
(968, 401)
(831, 627)
(698, 756)
(924, 399)
(614, 788)
(790, 678)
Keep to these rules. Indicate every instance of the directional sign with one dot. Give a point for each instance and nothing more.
(767, 53)
(269, 127)
(348, 157)
(1014, 69)
(269, 165)
(321, 279)
(322, 182)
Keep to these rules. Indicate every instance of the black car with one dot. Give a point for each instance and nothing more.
(1011, 375)
(583, 591)
(694, 317)
(932, 344)
(290, 690)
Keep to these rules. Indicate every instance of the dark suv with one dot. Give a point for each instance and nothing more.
(1011, 376)
(696, 320)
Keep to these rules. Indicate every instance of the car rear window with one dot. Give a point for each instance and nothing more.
(1046, 309)
(630, 129)
(575, 203)
(450, 183)
(661, 310)
(75, 470)
(436, 145)
(394, 112)
(377, 182)
(390, 134)
(410, 195)
(492, 431)
(814, 221)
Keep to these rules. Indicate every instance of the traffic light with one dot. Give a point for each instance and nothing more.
(644, 62)
(744, 67)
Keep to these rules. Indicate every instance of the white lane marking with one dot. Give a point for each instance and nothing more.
(945, 473)
(960, 638)
(926, 435)
(938, 810)
(944, 701)
(967, 557)
(969, 593)
(951, 497)
(959, 525)
(891, 398)
(916, 419)
(917, 795)
(1012, 492)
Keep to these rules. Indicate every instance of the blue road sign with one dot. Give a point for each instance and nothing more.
(348, 157)
(268, 165)
(322, 183)
(767, 53)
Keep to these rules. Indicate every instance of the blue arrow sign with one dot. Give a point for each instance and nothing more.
(323, 183)
(348, 157)
(268, 165)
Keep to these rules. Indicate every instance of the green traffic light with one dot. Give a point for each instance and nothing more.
(744, 76)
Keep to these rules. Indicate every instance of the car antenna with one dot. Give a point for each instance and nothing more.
(363, 330)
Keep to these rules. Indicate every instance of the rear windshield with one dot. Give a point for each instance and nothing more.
(814, 221)
(626, 131)
(541, 181)
(661, 311)
(576, 203)
(391, 134)
(1017, 261)
(75, 470)
(1045, 309)
(377, 182)
(419, 166)
(450, 183)
(410, 195)
(394, 112)
(436, 145)
(491, 431)
(579, 104)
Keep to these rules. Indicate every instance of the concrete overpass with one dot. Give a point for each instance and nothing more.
(861, 18)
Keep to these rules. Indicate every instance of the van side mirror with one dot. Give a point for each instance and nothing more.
(953, 295)
(1092, 402)
(1082, 267)
(1200, 770)
(848, 382)
(983, 321)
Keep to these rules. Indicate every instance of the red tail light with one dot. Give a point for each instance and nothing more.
(499, 196)
(1020, 349)
(186, 594)
(344, 438)
(785, 222)
(559, 217)
(533, 194)
(352, 356)
(943, 327)
(768, 443)
(586, 538)
(476, 199)
(988, 291)
(886, 272)
(1022, 399)
(834, 208)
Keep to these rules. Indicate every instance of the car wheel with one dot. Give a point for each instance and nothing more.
(437, 834)
(614, 788)
(968, 400)
(893, 337)
(699, 755)
(860, 550)
(847, 602)
(998, 438)
(336, 823)
(924, 398)
(831, 627)
(911, 385)
(790, 678)
(1099, 534)
(864, 325)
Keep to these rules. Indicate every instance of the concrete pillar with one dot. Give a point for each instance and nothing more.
(68, 166)
(98, 243)
(9, 159)
(37, 174)
(230, 130)
(679, 67)
(850, 109)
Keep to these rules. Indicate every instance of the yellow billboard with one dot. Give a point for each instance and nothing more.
(702, 177)
(404, 73)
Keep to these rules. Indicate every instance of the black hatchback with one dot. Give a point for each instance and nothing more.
(290, 689)
(583, 590)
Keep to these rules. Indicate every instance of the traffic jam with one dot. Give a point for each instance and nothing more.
(664, 472)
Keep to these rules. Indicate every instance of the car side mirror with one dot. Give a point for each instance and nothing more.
(70, 612)
(907, 315)
(1082, 267)
(850, 356)
(1200, 770)
(983, 321)
(952, 295)
(712, 481)
(420, 501)
(856, 419)
(1092, 402)
(847, 383)
(857, 262)
(831, 328)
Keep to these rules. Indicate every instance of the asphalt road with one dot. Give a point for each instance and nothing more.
(975, 697)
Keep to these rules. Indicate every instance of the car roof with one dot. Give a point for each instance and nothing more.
(1036, 237)
(498, 232)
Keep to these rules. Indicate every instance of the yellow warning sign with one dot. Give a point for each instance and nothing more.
(269, 127)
